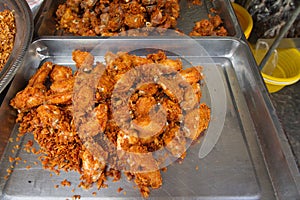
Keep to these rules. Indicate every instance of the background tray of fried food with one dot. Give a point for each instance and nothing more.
(234, 169)
(23, 28)
(190, 12)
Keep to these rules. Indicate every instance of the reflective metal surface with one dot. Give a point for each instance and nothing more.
(24, 25)
(251, 159)
(45, 24)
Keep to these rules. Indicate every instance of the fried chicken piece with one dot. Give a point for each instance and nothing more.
(148, 174)
(64, 98)
(196, 121)
(202, 28)
(134, 20)
(87, 4)
(92, 166)
(35, 92)
(209, 27)
(41, 75)
(175, 65)
(148, 89)
(83, 59)
(60, 73)
(62, 86)
(175, 142)
(143, 106)
(28, 98)
(215, 20)
(49, 116)
(221, 31)
(127, 139)
(171, 88)
(143, 167)
(191, 98)
(102, 115)
(191, 75)
(173, 109)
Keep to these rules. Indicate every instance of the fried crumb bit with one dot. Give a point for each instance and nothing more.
(17, 139)
(33, 150)
(73, 190)
(164, 169)
(18, 158)
(28, 167)
(57, 172)
(28, 146)
(120, 189)
(17, 163)
(17, 146)
(116, 174)
(24, 161)
(29, 143)
(11, 166)
(11, 139)
(65, 182)
(7, 35)
(56, 186)
(76, 196)
(197, 168)
(11, 159)
(9, 171)
(212, 10)
(125, 193)
(197, 2)
(13, 151)
(94, 193)
(129, 176)
(6, 177)
(50, 175)
(35, 163)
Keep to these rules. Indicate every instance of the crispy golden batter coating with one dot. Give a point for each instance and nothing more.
(113, 116)
(111, 17)
(129, 17)
(209, 27)
(7, 35)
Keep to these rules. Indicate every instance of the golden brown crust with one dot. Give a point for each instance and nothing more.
(111, 17)
(7, 35)
(91, 125)
(209, 27)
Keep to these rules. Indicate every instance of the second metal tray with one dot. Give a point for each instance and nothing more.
(45, 23)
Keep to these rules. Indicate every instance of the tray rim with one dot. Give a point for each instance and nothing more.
(262, 95)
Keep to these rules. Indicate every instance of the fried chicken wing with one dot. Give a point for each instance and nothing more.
(62, 86)
(35, 92)
(60, 73)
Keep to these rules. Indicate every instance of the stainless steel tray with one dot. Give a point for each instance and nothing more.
(251, 159)
(45, 23)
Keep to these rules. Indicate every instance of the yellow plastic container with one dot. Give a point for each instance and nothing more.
(286, 72)
(244, 18)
